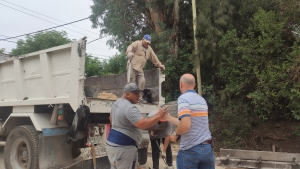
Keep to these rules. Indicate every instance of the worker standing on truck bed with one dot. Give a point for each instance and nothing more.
(127, 129)
(160, 131)
(138, 53)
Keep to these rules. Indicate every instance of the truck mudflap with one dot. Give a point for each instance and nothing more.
(54, 152)
(258, 159)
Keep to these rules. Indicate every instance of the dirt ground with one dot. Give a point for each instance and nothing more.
(175, 148)
(274, 136)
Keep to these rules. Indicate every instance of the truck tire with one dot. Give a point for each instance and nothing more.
(22, 148)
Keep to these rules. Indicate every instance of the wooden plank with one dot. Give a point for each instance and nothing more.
(260, 155)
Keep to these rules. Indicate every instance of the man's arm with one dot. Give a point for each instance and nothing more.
(153, 58)
(184, 125)
(173, 138)
(131, 49)
(146, 123)
(172, 120)
(110, 120)
(166, 143)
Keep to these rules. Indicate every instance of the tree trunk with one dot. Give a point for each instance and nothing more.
(197, 54)
(156, 16)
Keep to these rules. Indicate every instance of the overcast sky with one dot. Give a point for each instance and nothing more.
(14, 23)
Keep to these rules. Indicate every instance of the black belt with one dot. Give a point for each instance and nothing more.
(206, 142)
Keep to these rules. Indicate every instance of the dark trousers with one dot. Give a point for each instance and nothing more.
(156, 153)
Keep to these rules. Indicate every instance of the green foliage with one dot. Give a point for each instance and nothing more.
(40, 41)
(2, 50)
(255, 67)
(297, 131)
(213, 19)
(124, 20)
(116, 64)
(175, 68)
(93, 66)
(250, 56)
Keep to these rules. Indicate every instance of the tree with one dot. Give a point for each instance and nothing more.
(128, 21)
(212, 19)
(259, 70)
(168, 22)
(40, 41)
(116, 64)
(196, 52)
(93, 66)
(2, 50)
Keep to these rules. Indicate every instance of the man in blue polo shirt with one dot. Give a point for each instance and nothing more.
(127, 129)
(195, 147)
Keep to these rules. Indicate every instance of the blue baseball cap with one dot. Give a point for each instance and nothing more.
(147, 38)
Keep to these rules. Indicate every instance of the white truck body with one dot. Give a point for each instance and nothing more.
(48, 78)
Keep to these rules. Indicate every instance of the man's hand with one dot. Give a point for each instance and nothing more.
(162, 112)
(162, 67)
(173, 138)
(163, 154)
(130, 57)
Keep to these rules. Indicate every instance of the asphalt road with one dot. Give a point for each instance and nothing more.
(146, 166)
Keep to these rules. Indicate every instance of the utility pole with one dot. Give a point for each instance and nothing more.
(197, 54)
(175, 26)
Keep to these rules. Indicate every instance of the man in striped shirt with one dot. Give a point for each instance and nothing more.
(195, 147)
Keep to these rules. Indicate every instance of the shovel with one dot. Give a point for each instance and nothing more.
(128, 71)
(164, 158)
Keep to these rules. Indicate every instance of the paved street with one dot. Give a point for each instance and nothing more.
(146, 166)
(162, 164)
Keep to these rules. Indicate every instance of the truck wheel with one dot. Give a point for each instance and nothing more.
(22, 148)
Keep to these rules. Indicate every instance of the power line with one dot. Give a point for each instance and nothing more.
(9, 41)
(45, 29)
(49, 21)
(8, 36)
(93, 40)
(47, 16)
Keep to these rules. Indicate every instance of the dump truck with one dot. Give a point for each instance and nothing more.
(52, 116)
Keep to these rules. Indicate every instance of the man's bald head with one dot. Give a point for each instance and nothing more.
(188, 79)
(187, 82)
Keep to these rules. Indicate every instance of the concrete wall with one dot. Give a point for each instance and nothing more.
(115, 84)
